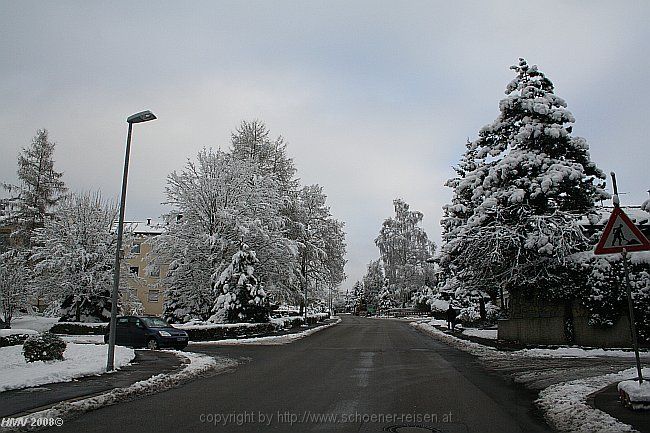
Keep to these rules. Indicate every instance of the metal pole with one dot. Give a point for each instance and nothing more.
(110, 363)
(632, 324)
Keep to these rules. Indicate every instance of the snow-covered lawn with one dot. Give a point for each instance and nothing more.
(489, 334)
(80, 360)
(267, 341)
(37, 323)
(17, 331)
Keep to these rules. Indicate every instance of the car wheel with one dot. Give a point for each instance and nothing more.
(152, 344)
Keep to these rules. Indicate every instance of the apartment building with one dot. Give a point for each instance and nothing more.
(146, 277)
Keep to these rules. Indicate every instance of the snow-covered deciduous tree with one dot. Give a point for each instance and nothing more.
(521, 188)
(39, 189)
(240, 297)
(15, 279)
(405, 250)
(252, 142)
(219, 200)
(321, 242)
(74, 254)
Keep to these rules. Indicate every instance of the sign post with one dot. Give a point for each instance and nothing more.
(622, 236)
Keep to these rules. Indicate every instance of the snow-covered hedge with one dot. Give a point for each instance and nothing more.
(220, 331)
(44, 347)
(79, 328)
(201, 331)
(13, 339)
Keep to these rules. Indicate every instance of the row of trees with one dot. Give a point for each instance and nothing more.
(250, 194)
(62, 245)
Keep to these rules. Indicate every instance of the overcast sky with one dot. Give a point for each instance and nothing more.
(376, 99)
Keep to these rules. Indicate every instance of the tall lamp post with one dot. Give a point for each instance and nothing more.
(143, 116)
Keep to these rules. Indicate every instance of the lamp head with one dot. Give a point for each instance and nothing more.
(143, 116)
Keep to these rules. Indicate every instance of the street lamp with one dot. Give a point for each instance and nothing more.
(143, 116)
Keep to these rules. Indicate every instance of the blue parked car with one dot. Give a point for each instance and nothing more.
(148, 331)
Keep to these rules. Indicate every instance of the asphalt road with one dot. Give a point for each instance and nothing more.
(362, 375)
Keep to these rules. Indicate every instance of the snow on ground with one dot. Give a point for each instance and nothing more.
(577, 352)
(79, 360)
(37, 323)
(267, 341)
(83, 339)
(16, 331)
(639, 394)
(489, 334)
(565, 405)
(197, 365)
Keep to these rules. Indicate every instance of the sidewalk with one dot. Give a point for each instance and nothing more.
(146, 364)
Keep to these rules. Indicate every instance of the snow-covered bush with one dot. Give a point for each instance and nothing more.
(90, 308)
(240, 297)
(44, 347)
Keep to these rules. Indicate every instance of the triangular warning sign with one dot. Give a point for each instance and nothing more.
(621, 233)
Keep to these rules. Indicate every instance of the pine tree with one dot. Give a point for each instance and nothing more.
(240, 297)
(530, 184)
(39, 190)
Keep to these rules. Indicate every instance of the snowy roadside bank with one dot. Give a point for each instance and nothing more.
(267, 341)
(564, 377)
(196, 365)
(79, 360)
(565, 405)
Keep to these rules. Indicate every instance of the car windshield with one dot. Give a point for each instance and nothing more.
(155, 322)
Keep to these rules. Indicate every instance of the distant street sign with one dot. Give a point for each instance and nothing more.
(621, 234)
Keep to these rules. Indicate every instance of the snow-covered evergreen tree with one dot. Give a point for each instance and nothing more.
(530, 182)
(240, 297)
(405, 250)
(373, 281)
(387, 297)
(39, 189)
(74, 253)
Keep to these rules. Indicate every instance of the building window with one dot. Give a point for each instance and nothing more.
(135, 248)
(153, 296)
(155, 271)
(134, 270)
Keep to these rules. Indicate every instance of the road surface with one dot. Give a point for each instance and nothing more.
(362, 375)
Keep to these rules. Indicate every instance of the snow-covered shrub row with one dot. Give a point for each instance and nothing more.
(77, 328)
(13, 339)
(228, 330)
(203, 331)
(44, 347)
